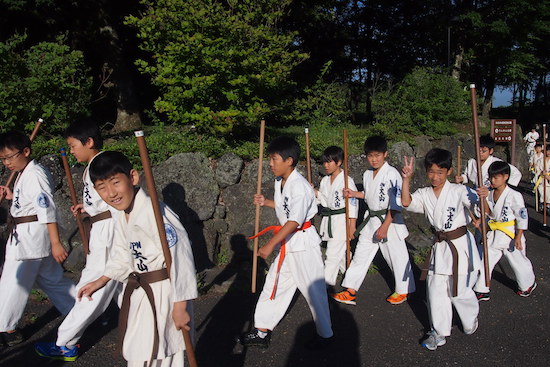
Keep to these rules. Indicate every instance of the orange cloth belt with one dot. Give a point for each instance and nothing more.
(282, 252)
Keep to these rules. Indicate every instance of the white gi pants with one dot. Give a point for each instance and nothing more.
(175, 360)
(335, 260)
(18, 278)
(301, 270)
(520, 264)
(86, 311)
(396, 255)
(441, 302)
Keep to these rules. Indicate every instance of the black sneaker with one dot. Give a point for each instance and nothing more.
(528, 292)
(318, 343)
(253, 339)
(11, 339)
(483, 296)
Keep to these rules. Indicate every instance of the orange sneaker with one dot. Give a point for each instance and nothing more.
(396, 298)
(345, 297)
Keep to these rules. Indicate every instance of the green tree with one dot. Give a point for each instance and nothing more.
(47, 80)
(217, 64)
(424, 103)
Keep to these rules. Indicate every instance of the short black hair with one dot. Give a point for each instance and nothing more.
(486, 141)
(376, 143)
(83, 129)
(440, 157)
(333, 154)
(499, 168)
(538, 145)
(108, 164)
(286, 147)
(15, 140)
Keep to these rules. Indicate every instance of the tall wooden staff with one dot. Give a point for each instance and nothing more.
(348, 234)
(545, 176)
(70, 183)
(458, 160)
(257, 220)
(148, 172)
(11, 178)
(480, 183)
(308, 160)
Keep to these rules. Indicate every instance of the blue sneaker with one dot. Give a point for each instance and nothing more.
(50, 350)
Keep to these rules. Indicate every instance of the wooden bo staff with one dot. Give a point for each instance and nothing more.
(458, 160)
(70, 183)
(480, 184)
(544, 177)
(148, 172)
(348, 244)
(308, 159)
(257, 219)
(11, 178)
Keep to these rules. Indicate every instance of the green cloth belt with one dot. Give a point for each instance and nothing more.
(372, 213)
(327, 212)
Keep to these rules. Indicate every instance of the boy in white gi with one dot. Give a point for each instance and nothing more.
(508, 219)
(536, 163)
(454, 259)
(299, 264)
(382, 227)
(544, 180)
(147, 333)
(85, 142)
(486, 149)
(530, 140)
(33, 251)
(333, 225)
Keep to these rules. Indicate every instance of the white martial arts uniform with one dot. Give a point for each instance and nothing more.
(470, 173)
(28, 250)
(543, 182)
(330, 196)
(446, 213)
(137, 248)
(100, 241)
(382, 192)
(537, 163)
(509, 207)
(302, 267)
(531, 139)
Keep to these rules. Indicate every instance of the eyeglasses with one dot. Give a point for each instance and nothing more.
(10, 157)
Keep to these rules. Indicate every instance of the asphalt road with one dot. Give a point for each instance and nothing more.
(513, 331)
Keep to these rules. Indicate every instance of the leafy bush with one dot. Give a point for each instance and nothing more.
(47, 80)
(425, 103)
(216, 64)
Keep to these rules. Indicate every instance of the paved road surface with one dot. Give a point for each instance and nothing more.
(513, 331)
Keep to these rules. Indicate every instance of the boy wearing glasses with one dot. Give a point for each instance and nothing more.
(33, 250)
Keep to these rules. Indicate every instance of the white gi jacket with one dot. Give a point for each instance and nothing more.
(447, 213)
(32, 195)
(470, 173)
(510, 206)
(330, 195)
(296, 202)
(383, 192)
(137, 247)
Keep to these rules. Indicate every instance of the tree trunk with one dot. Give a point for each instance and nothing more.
(457, 66)
(128, 112)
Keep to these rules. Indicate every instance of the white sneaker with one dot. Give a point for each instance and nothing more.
(433, 340)
(473, 329)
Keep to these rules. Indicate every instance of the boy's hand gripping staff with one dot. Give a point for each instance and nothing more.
(257, 220)
(308, 159)
(74, 201)
(13, 173)
(480, 182)
(348, 245)
(148, 172)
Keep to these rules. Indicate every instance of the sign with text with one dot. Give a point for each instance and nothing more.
(504, 131)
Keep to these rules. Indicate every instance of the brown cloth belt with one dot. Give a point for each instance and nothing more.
(88, 222)
(143, 280)
(447, 237)
(14, 221)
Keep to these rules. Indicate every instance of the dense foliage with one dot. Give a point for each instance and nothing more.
(46, 80)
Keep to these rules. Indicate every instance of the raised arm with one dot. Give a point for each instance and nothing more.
(407, 173)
